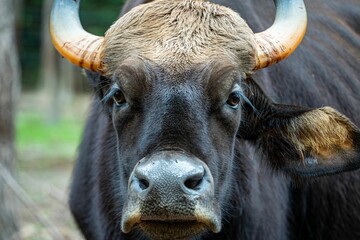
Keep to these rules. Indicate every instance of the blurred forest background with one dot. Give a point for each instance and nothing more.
(40, 127)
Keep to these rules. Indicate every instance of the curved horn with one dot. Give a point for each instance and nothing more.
(70, 39)
(284, 36)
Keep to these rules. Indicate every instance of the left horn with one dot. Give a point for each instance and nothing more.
(284, 36)
(71, 40)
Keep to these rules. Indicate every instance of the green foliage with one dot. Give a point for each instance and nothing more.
(42, 144)
(96, 17)
(29, 29)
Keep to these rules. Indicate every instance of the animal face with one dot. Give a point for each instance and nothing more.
(176, 137)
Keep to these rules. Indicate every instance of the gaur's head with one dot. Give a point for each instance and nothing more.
(175, 82)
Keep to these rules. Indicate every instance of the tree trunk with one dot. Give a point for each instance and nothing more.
(49, 80)
(57, 75)
(9, 78)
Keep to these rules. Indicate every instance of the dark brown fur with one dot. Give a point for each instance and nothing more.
(274, 145)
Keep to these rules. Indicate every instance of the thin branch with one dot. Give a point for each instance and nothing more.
(29, 203)
(51, 190)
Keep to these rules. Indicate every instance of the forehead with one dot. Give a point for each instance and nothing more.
(178, 35)
(146, 74)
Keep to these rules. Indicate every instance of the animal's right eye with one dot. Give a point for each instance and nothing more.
(119, 97)
(234, 100)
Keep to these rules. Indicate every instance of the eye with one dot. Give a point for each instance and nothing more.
(118, 97)
(233, 100)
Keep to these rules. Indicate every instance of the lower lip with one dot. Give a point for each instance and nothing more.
(172, 229)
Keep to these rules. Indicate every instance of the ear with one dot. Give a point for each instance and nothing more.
(302, 141)
(316, 142)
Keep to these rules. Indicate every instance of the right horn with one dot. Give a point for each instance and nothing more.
(71, 40)
(284, 36)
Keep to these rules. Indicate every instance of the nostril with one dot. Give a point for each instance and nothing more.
(143, 184)
(194, 182)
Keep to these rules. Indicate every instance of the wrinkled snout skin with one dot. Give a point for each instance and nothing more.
(171, 194)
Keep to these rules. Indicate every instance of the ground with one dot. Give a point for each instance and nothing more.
(48, 191)
(46, 150)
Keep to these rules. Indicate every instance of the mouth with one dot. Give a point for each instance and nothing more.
(166, 230)
(172, 227)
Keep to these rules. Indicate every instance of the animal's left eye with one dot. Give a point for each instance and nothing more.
(233, 100)
(119, 97)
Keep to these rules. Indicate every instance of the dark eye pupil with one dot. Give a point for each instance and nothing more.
(119, 97)
(233, 100)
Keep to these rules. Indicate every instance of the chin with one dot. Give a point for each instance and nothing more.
(159, 230)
